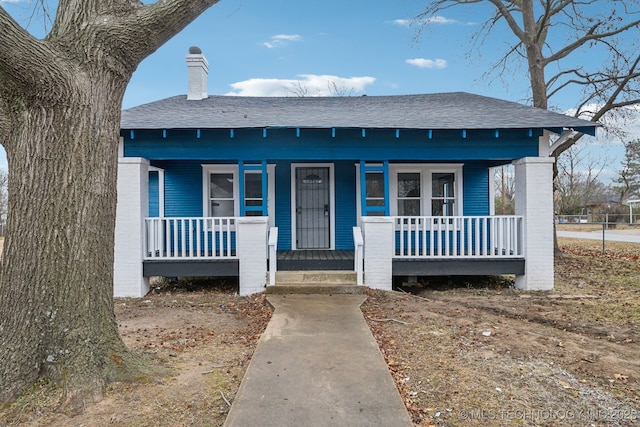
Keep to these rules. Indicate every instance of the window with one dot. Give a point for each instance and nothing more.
(375, 192)
(415, 189)
(409, 199)
(221, 194)
(253, 192)
(443, 200)
(221, 191)
(425, 189)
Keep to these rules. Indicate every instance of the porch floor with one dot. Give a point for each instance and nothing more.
(311, 259)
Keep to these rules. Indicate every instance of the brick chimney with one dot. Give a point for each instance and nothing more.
(198, 72)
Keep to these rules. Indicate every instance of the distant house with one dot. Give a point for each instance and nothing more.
(384, 185)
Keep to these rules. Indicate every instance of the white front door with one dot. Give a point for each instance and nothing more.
(312, 202)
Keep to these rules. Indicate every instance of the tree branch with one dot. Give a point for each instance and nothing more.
(590, 36)
(506, 14)
(19, 50)
(150, 26)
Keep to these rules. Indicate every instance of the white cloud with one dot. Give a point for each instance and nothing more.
(403, 22)
(428, 63)
(304, 85)
(280, 40)
(437, 19)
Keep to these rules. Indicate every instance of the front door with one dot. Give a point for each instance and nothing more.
(312, 200)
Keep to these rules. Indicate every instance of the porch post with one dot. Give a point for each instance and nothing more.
(251, 246)
(534, 201)
(379, 248)
(131, 210)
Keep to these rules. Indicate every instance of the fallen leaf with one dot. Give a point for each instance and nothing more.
(621, 377)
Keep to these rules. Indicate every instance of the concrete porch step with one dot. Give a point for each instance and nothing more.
(315, 282)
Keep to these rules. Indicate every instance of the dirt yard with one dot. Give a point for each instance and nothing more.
(463, 351)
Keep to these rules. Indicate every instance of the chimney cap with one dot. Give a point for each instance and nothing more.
(195, 50)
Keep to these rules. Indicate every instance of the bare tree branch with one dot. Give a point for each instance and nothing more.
(590, 36)
(505, 13)
(609, 85)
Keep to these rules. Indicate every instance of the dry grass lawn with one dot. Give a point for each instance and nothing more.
(469, 351)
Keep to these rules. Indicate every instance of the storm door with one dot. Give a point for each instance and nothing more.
(312, 208)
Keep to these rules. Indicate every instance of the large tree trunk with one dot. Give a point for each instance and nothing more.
(56, 293)
(60, 101)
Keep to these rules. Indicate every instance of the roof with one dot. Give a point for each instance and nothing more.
(456, 110)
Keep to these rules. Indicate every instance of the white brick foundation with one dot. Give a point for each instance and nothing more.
(251, 246)
(132, 208)
(379, 243)
(534, 201)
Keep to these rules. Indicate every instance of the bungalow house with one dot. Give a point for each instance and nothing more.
(381, 185)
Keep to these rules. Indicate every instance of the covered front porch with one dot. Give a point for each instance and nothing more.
(375, 244)
(383, 247)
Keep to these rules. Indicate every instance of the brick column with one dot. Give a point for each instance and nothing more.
(534, 201)
(251, 246)
(379, 247)
(132, 208)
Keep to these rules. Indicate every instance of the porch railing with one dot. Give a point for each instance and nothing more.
(358, 256)
(459, 237)
(190, 238)
(273, 254)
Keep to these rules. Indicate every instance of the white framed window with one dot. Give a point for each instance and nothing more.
(221, 191)
(443, 194)
(220, 188)
(425, 189)
(418, 189)
(409, 193)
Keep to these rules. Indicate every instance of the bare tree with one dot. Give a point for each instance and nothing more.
(550, 36)
(302, 90)
(505, 190)
(60, 102)
(577, 183)
(629, 176)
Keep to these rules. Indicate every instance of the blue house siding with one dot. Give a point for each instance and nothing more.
(283, 204)
(154, 194)
(345, 177)
(183, 197)
(183, 188)
(316, 144)
(476, 189)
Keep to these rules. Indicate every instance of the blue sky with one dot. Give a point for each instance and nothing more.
(260, 47)
(278, 47)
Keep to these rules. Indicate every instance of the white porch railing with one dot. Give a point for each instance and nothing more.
(459, 237)
(190, 238)
(273, 255)
(358, 256)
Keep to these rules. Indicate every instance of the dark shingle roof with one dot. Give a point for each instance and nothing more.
(457, 110)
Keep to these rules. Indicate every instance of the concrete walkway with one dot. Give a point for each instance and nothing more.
(317, 364)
